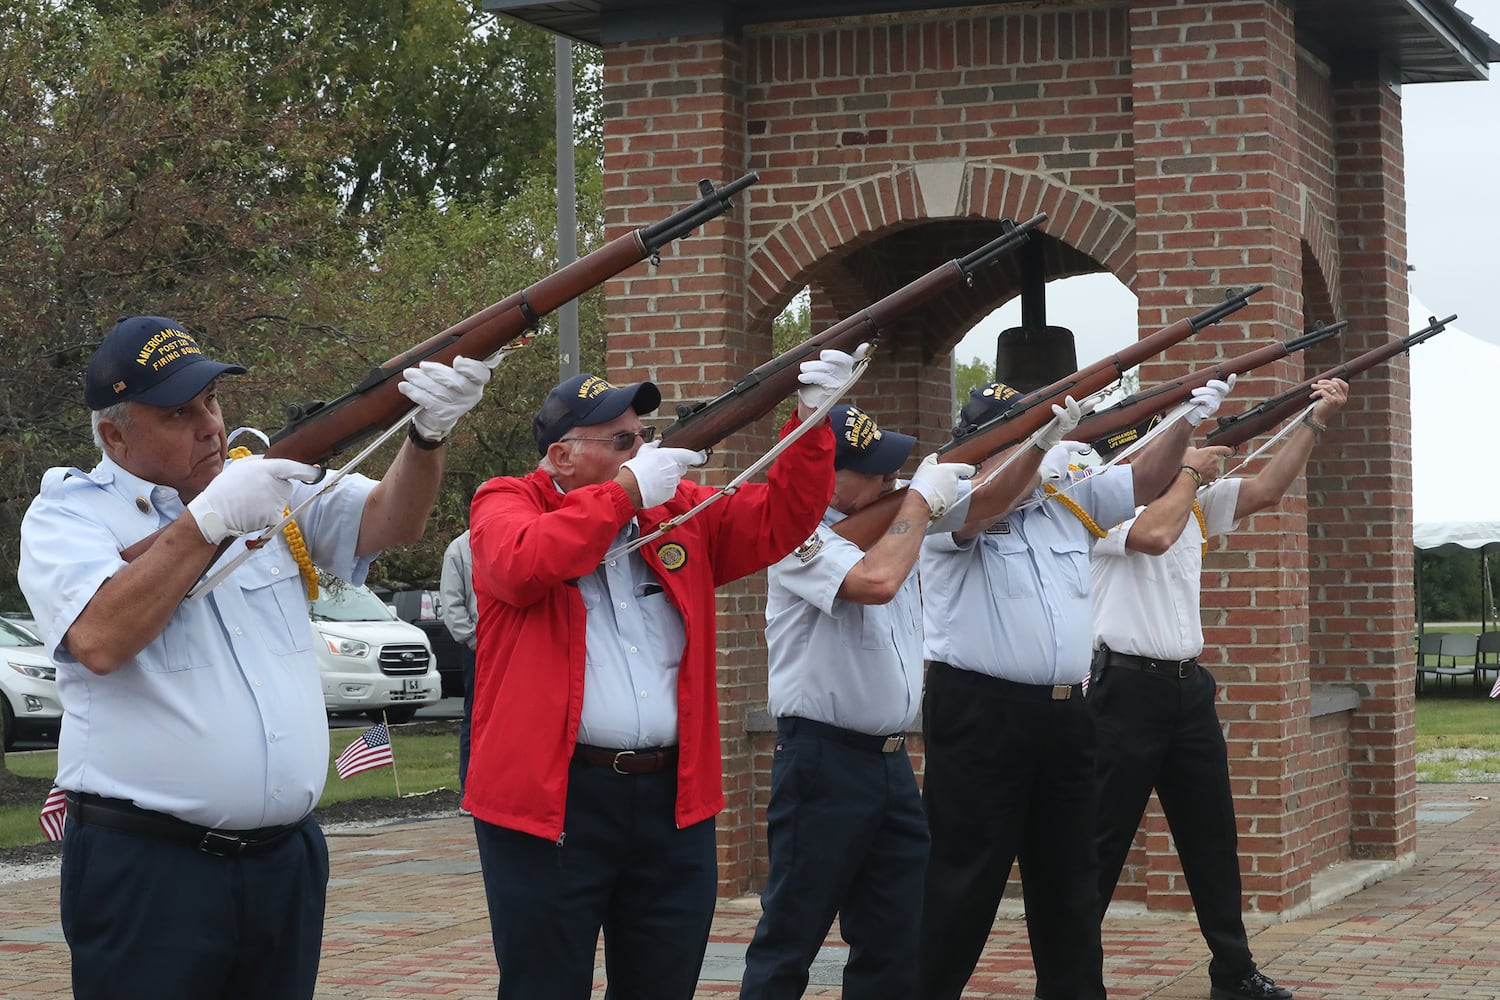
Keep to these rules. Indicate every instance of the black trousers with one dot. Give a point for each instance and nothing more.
(1009, 776)
(467, 659)
(148, 918)
(846, 837)
(1164, 733)
(623, 866)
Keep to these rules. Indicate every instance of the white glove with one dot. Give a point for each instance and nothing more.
(1065, 417)
(938, 483)
(444, 393)
(250, 494)
(1206, 400)
(822, 376)
(1055, 463)
(658, 470)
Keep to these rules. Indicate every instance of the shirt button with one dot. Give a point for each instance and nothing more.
(271, 737)
(275, 793)
(239, 631)
(612, 562)
(632, 649)
(623, 605)
(257, 683)
(643, 694)
(275, 570)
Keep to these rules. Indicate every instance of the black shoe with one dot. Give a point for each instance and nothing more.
(1256, 986)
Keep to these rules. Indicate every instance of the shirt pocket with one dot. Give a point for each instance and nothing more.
(1008, 565)
(1071, 558)
(277, 601)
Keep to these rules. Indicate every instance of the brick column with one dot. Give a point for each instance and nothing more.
(674, 112)
(1363, 598)
(1217, 207)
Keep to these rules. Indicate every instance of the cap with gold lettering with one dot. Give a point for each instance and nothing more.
(152, 360)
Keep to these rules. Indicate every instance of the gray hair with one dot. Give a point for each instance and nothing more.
(118, 414)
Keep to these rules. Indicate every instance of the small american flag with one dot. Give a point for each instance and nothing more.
(371, 750)
(54, 811)
(1495, 691)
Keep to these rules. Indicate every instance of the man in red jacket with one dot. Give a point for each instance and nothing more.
(594, 771)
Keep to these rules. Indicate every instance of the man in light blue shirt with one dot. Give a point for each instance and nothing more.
(194, 741)
(460, 618)
(1009, 744)
(844, 633)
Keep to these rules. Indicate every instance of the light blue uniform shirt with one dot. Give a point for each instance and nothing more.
(1014, 602)
(855, 666)
(634, 639)
(219, 720)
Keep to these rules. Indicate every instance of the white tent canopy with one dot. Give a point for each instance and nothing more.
(1454, 381)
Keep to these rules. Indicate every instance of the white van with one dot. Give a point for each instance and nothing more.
(369, 659)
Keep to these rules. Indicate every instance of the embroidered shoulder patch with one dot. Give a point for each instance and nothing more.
(998, 528)
(808, 549)
(672, 556)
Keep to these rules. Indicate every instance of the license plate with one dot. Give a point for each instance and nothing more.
(412, 685)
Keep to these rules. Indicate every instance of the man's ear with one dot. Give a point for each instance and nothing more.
(113, 438)
(560, 457)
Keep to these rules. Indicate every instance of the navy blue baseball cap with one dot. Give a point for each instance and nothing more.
(585, 400)
(152, 360)
(863, 447)
(986, 402)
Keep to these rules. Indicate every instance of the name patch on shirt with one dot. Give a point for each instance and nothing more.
(672, 556)
(998, 528)
(808, 549)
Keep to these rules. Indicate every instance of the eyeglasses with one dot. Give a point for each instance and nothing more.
(622, 441)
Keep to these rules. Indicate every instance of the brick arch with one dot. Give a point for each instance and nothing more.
(799, 252)
(1320, 270)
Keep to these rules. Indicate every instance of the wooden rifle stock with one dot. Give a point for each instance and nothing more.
(755, 395)
(1236, 430)
(320, 430)
(1031, 412)
(1137, 408)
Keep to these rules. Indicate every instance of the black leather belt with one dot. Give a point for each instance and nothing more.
(627, 761)
(1179, 669)
(127, 817)
(792, 725)
(1015, 689)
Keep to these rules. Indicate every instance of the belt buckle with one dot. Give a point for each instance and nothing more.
(1062, 692)
(893, 743)
(622, 755)
(1184, 669)
(220, 845)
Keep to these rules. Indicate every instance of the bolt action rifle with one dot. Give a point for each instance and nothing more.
(1031, 412)
(318, 431)
(1236, 430)
(752, 397)
(1133, 411)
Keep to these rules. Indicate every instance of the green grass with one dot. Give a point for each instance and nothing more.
(426, 758)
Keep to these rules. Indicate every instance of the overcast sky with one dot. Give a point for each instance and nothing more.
(1452, 139)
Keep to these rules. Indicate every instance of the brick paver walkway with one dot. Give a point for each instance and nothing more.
(406, 919)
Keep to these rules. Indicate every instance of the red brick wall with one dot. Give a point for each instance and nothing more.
(1186, 147)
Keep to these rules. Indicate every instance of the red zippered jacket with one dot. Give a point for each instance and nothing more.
(529, 541)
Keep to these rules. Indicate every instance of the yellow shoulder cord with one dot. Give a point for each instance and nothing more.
(1088, 522)
(1202, 524)
(294, 541)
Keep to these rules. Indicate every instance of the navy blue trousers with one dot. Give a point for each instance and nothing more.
(147, 918)
(1164, 733)
(622, 865)
(1009, 777)
(847, 837)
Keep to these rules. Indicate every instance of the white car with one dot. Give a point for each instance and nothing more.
(369, 659)
(28, 686)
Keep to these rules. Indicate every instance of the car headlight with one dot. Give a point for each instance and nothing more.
(347, 647)
(41, 673)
